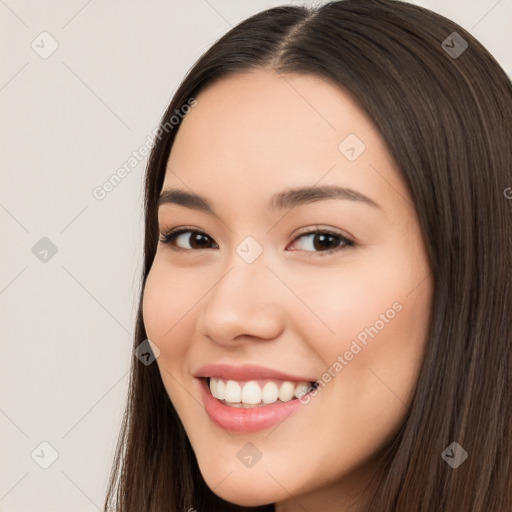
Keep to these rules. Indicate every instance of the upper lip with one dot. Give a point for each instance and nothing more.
(247, 372)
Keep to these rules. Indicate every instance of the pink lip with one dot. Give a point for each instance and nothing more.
(247, 372)
(237, 419)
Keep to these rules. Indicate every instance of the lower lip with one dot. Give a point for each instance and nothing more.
(237, 419)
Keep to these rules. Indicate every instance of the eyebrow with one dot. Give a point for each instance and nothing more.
(287, 199)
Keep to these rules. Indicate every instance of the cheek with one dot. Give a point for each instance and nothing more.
(360, 305)
(167, 310)
(372, 360)
(370, 326)
(166, 305)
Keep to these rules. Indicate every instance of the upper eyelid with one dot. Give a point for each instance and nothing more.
(307, 232)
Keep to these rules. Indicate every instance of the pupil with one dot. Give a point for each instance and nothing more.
(324, 241)
(195, 240)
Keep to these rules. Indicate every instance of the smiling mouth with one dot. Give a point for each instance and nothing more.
(256, 393)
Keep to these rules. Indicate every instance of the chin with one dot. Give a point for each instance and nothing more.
(244, 489)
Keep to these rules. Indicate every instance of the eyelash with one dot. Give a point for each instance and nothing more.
(170, 236)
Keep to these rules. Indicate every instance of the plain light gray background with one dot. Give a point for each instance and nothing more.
(68, 122)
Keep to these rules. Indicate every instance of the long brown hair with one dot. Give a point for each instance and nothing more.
(446, 117)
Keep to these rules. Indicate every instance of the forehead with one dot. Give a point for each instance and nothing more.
(261, 132)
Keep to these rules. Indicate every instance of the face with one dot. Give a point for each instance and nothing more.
(333, 287)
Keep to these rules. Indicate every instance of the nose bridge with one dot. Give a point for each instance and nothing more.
(246, 280)
(243, 300)
(246, 267)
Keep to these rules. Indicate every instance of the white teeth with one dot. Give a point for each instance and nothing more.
(233, 392)
(251, 393)
(213, 387)
(286, 391)
(269, 393)
(301, 389)
(221, 389)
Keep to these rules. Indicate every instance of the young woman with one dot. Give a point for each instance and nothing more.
(327, 277)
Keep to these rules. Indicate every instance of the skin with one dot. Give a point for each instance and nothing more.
(294, 308)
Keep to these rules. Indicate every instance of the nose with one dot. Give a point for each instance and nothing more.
(244, 305)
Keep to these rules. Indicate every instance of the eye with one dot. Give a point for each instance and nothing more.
(321, 241)
(199, 240)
